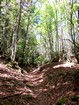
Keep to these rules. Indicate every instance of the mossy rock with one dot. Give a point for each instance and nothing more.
(62, 101)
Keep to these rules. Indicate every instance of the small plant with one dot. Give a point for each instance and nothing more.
(55, 57)
(8, 103)
(75, 98)
(62, 101)
(39, 60)
(29, 96)
(13, 64)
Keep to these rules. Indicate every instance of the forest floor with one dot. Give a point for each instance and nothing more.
(50, 84)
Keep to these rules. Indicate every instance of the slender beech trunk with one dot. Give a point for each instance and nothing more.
(57, 39)
(16, 33)
(4, 40)
(51, 45)
(0, 7)
(72, 33)
(56, 26)
(26, 34)
(0, 27)
(25, 40)
(50, 38)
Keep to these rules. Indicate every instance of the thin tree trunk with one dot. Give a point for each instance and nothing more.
(16, 33)
(25, 42)
(0, 28)
(56, 26)
(72, 33)
(51, 45)
(26, 34)
(57, 40)
(0, 7)
(50, 39)
(4, 40)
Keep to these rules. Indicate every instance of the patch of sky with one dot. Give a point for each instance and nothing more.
(38, 19)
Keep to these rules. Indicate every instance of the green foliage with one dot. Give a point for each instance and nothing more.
(13, 64)
(55, 57)
(8, 103)
(39, 60)
(75, 98)
(62, 101)
(40, 23)
(76, 6)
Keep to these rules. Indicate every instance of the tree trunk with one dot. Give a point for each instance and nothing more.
(72, 33)
(25, 40)
(57, 39)
(4, 40)
(56, 26)
(16, 33)
(50, 45)
(0, 28)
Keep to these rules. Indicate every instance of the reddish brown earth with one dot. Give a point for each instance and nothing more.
(44, 86)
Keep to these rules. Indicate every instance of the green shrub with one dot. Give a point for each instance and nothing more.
(62, 101)
(39, 60)
(8, 103)
(75, 98)
(55, 57)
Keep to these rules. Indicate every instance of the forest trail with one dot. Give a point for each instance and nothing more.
(45, 85)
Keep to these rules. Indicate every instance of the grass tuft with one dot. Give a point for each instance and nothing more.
(75, 98)
(62, 101)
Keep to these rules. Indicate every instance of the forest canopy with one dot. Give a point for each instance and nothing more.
(35, 32)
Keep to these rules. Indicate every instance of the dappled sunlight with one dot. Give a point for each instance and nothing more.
(2, 94)
(58, 84)
(36, 70)
(39, 54)
(31, 76)
(34, 79)
(38, 86)
(53, 87)
(41, 90)
(70, 93)
(66, 64)
(66, 83)
(2, 66)
(37, 82)
(12, 83)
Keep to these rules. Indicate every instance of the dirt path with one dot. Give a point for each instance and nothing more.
(44, 86)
